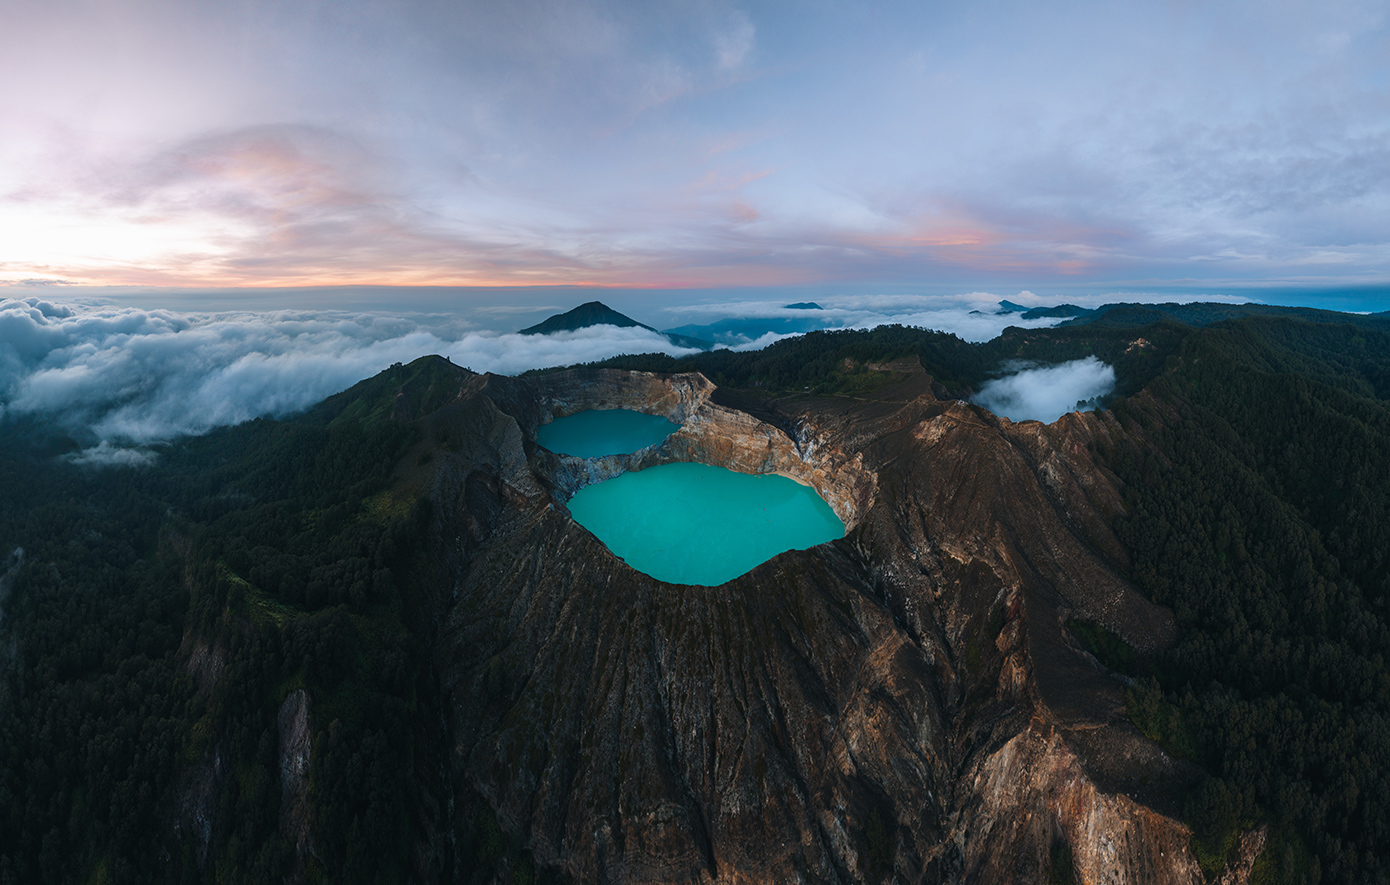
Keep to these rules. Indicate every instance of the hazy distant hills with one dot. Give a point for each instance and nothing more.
(1205, 313)
(810, 317)
(737, 330)
(1198, 313)
(596, 313)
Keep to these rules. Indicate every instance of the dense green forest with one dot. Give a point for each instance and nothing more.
(99, 712)
(153, 621)
(1260, 513)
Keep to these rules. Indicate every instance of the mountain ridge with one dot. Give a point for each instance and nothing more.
(596, 313)
(590, 313)
(367, 641)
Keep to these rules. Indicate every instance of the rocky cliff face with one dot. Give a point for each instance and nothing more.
(904, 704)
(709, 434)
(295, 757)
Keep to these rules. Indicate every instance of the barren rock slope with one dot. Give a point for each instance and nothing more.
(901, 705)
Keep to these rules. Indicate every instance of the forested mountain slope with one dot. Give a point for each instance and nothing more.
(1260, 513)
(261, 656)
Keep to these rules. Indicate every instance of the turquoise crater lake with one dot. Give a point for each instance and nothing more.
(696, 524)
(597, 432)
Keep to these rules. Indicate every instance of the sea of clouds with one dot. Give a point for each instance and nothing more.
(130, 378)
(1046, 393)
(123, 379)
(974, 316)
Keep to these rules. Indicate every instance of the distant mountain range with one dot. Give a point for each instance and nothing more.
(733, 331)
(737, 330)
(729, 331)
(596, 313)
(592, 313)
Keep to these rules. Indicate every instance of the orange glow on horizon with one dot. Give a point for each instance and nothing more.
(302, 230)
(690, 278)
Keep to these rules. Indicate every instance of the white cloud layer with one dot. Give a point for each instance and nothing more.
(125, 378)
(104, 454)
(135, 376)
(974, 316)
(1049, 392)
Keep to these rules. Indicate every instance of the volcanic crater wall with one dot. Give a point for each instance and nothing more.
(709, 434)
(903, 704)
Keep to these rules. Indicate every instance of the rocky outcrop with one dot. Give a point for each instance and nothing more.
(294, 734)
(1238, 869)
(904, 704)
(1042, 796)
(11, 567)
(200, 784)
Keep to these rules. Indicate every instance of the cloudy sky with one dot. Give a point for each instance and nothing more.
(1222, 146)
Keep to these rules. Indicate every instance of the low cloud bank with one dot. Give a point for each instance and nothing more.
(744, 325)
(127, 377)
(1049, 392)
(104, 454)
(973, 316)
(124, 377)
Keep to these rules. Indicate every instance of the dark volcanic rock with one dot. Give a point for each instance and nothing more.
(904, 703)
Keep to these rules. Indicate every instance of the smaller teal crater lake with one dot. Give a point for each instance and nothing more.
(697, 524)
(597, 432)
